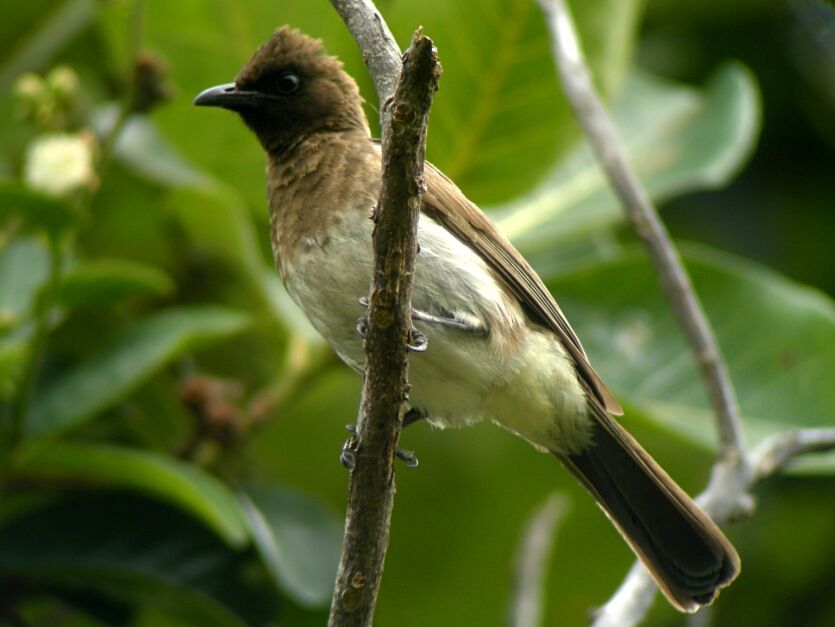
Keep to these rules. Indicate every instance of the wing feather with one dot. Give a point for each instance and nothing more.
(448, 205)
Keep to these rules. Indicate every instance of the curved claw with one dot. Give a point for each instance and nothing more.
(362, 326)
(418, 342)
(346, 456)
(408, 457)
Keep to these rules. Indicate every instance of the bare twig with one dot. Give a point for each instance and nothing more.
(735, 473)
(378, 46)
(385, 389)
(725, 498)
(776, 452)
(532, 562)
(675, 282)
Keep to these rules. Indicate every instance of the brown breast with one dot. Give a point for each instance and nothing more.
(314, 185)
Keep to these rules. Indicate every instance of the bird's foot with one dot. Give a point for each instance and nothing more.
(347, 456)
(418, 342)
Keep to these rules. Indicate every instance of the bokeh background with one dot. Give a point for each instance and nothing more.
(171, 426)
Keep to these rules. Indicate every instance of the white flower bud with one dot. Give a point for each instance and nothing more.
(29, 88)
(63, 81)
(59, 164)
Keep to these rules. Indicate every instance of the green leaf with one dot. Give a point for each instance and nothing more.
(778, 339)
(213, 214)
(13, 356)
(181, 484)
(102, 281)
(142, 149)
(679, 139)
(217, 221)
(132, 359)
(500, 119)
(24, 269)
(37, 211)
(298, 539)
(135, 551)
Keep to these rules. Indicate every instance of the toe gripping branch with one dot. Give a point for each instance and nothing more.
(347, 456)
(418, 342)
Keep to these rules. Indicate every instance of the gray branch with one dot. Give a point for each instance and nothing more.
(735, 473)
(776, 452)
(675, 282)
(532, 562)
(385, 386)
(725, 499)
(377, 44)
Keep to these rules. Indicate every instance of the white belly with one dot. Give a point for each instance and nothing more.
(463, 376)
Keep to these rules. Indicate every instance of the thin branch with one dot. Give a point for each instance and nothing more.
(377, 44)
(675, 282)
(726, 498)
(631, 601)
(778, 451)
(734, 473)
(385, 388)
(532, 562)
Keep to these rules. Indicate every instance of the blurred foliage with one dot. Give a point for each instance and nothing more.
(171, 424)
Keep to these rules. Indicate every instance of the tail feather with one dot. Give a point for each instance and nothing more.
(683, 549)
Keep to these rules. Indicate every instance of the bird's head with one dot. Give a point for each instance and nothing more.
(290, 89)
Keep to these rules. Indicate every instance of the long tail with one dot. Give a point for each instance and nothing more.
(683, 549)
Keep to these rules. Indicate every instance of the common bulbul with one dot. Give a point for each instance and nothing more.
(499, 345)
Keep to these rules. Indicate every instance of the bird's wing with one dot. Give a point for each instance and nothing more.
(446, 204)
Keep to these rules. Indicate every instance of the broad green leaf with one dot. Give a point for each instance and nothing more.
(101, 281)
(37, 211)
(166, 478)
(24, 268)
(778, 339)
(500, 119)
(136, 551)
(217, 221)
(298, 539)
(13, 356)
(132, 359)
(679, 139)
(213, 214)
(141, 148)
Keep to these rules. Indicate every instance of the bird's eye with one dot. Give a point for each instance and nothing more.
(288, 82)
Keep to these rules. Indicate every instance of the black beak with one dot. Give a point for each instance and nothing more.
(227, 96)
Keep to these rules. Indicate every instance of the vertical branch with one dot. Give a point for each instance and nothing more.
(377, 44)
(532, 561)
(385, 388)
(675, 282)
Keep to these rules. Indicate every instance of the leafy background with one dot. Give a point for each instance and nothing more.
(171, 426)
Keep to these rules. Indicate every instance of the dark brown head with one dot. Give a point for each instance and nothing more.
(290, 89)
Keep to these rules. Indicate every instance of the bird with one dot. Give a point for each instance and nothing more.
(500, 346)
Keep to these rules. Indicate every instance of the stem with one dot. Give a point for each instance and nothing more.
(378, 46)
(726, 498)
(603, 137)
(43, 305)
(532, 561)
(50, 291)
(136, 36)
(385, 387)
